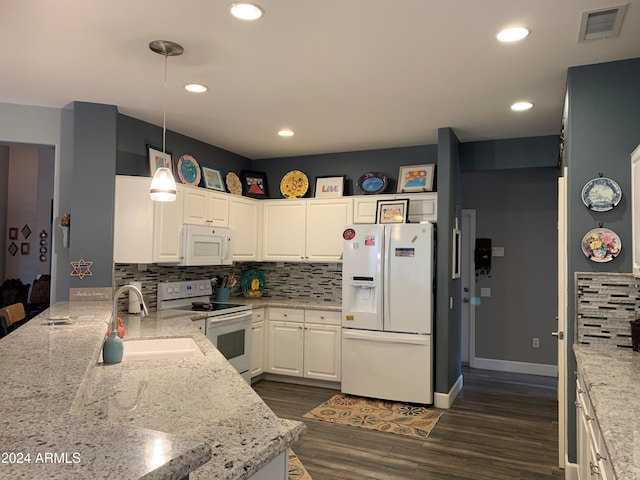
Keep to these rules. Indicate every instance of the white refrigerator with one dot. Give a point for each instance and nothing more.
(387, 311)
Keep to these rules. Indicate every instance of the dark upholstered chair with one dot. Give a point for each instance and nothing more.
(40, 292)
(14, 291)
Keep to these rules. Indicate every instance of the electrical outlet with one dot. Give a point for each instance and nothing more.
(535, 343)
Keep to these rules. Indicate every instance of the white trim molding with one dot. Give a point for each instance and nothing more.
(516, 367)
(445, 400)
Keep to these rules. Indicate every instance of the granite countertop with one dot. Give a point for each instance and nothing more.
(612, 380)
(288, 302)
(145, 419)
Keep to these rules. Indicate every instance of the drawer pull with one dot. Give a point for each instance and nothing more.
(600, 457)
(595, 469)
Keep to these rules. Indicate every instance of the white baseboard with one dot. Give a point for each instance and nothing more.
(445, 400)
(570, 470)
(516, 367)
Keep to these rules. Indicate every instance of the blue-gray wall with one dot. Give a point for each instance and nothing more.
(602, 129)
(134, 135)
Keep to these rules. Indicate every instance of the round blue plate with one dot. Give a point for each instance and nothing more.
(189, 170)
(372, 182)
(601, 194)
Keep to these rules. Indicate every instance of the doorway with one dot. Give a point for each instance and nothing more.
(467, 278)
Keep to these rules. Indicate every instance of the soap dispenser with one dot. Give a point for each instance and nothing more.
(112, 349)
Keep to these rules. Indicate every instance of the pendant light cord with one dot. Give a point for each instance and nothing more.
(164, 109)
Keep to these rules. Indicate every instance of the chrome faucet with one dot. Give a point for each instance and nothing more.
(143, 307)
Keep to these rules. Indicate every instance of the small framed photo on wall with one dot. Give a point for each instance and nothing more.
(254, 184)
(13, 233)
(416, 178)
(327, 187)
(392, 211)
(157, 159)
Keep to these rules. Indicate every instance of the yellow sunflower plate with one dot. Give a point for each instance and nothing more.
(294, 184)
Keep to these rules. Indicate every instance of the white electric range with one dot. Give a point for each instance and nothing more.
(227, 325)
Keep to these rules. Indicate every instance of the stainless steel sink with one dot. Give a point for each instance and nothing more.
(160, 348)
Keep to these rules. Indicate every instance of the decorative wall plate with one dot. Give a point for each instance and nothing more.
(252, 283)
(234, 185)
(294, 184)
(601, 194)
(601, 245)
(372, 182)
(189, 170)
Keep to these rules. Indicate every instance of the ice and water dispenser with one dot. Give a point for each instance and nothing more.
(362, 303)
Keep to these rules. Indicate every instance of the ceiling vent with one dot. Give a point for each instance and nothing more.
(601, 23)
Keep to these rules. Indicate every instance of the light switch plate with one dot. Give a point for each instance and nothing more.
(497, 251)
(485, 292)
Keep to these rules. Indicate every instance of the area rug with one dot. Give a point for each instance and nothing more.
(384, 416)
(296, 469)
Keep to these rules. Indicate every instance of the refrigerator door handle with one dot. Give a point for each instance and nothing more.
(401, 338)
(386, 304)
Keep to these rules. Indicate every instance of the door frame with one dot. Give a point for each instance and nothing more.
(562, 320)
(467, 278)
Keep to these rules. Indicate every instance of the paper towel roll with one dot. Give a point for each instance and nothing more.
(134, 301)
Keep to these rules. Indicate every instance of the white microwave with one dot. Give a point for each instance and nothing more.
(204, 245)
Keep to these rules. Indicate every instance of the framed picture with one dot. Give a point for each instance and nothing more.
(13, 233)
(416, 178)
(254, 184)
(25, 248)
(329, 186)
(158, 159)
(392, 211)
(213, 178)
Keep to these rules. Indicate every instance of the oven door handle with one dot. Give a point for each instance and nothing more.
(227, 318)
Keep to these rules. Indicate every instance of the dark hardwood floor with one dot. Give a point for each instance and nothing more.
(501, 427)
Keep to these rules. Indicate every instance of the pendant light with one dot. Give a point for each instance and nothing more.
(163, 185)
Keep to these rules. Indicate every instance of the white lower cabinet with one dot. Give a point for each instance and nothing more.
(258, 339)
(304, 343)
(593, 458)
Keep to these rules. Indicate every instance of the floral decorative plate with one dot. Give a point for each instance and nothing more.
(233, 183)
(252, 283)
(189, 170)
(294, 184)
(601, 245)
(372, 182)
(601, 194)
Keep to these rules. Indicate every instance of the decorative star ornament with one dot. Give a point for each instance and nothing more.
(81, 268)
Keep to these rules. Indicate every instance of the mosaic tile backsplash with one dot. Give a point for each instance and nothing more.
(297, 281)
(606, 303)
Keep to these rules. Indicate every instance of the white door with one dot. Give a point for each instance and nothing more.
(562, 320)
(467, 278)
(322, 352)
(408, 278)
(390, 366)
(362, 276)
(286, 341)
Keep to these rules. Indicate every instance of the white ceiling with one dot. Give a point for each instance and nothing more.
(344, 74)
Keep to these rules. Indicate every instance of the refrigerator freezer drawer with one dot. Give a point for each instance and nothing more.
(388, 366)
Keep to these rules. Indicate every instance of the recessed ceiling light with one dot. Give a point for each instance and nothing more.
(196, 88)
(246, 10)
(521, 106)
(285, 132)
(512, 34)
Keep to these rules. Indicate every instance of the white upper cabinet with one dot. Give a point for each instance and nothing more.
(422, 206)
(305, 230)
(206, 207)
(283, 230)
(325, 223)
(244, 221)
(145, 231)
(635, 209)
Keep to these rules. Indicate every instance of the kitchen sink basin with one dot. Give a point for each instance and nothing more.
(160, 348)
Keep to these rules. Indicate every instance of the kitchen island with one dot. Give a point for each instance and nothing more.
(77, 418)
(611, 377)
